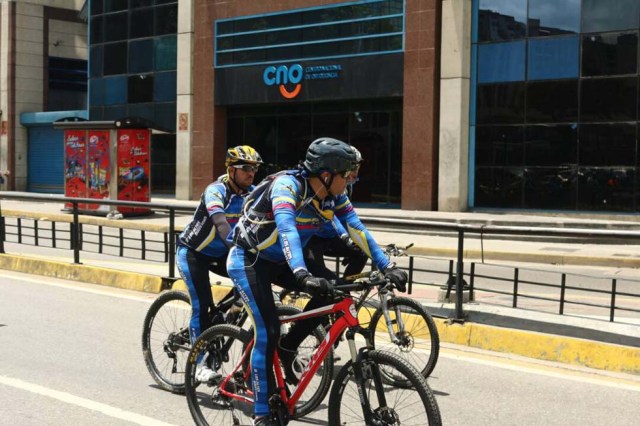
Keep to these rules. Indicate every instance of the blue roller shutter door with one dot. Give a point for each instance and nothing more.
(46, 160)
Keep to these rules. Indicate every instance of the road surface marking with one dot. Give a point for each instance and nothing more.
(68, 398)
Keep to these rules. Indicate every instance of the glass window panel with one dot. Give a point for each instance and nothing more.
(96, 7)
(551, 145)
(552, 17)
(115, 26)
(116, 58)
(139, 3)
(140, 88)
(95, 61)
(608, 99)
(146, 111)
(552, 101)
(96, 113)
(115, 90)
(551, 58)
(501, 19)
(550, 188)
(498, 62)
(115, 5)
(500, 103)
(141, 23)
(294, 134)
(165, 53)
(608, 145)
(499, 146)
(166, 19)
(606, 189)
(608, 15)
(116, 112)
(252, 40)
(225, 27)
(165, 86)
(498, 187)
(141, 56)
(97, 30)
(96, 91)
(609, 54)
(166, 1)
(166, 115)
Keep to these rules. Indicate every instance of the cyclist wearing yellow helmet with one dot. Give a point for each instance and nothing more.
(203, 245)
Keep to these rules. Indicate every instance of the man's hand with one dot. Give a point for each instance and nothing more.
(397, 276)
(315, 286)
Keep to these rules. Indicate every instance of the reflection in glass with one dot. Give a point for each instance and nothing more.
(606, 189)
(498, 187)
(609, 54)
(608, 99)
(552, 17)
(608, 145)
(140, 88)
(550, 187)
(499, 145)
(552, 101)
(551, 58)
(500, 103)
(501, 19)
(501, 62)
(609, 15)
(551, 145)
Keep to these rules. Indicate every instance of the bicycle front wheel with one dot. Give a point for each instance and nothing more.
(222, 349)
(165, 339)
(387, 405)
(418, 341)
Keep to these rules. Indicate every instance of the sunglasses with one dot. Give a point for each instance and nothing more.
(246, 168)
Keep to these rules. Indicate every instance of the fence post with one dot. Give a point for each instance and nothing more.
(172, 242)
(614, 285)
(410, 274)
(459, 277)
(515, 287)
(2, 231)
(472, 278)
(74, 234)
(563, 287)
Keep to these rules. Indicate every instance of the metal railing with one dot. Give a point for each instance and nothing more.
(156, 243)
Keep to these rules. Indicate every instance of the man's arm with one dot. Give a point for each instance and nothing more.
(214, 200)
(283, 205)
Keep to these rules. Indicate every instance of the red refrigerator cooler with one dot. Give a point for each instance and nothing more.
(110, 163)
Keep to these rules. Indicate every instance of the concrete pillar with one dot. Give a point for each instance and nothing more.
(455, 58)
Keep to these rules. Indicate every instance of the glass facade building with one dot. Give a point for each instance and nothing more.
(554, 105)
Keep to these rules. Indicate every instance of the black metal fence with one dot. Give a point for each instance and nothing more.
(547, 290)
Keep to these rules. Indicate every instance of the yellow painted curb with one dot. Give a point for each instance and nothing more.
(83, 273)
(568, 350)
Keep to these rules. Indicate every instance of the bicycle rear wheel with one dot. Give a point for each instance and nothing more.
(388, 405)
(165, 339)
(222, 348)
(418, 339)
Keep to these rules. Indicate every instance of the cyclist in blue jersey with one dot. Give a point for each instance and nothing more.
(334, 241)
(280, 216)
(203, 245)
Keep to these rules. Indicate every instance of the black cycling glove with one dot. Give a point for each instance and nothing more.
(315, 286)
(397, 276)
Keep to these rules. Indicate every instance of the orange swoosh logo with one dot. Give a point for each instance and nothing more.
(292, 94)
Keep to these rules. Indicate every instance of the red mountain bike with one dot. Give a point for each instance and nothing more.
(360, 394)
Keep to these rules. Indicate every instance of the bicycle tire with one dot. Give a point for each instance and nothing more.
(320, 384)
(420, 334)
(165, 332)
(206, 405)
(402, 404)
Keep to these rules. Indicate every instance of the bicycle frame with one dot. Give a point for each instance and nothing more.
(348, 319)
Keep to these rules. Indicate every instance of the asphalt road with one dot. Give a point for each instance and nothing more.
(71, 355)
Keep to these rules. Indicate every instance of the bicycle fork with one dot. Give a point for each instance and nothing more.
(364, 372)
(384, 305)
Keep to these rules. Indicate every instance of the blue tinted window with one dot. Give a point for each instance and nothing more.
(141, 56)
(553, 58)
(501, 19)
(165, 87)
(500, 62)
(607, 15)
(115, 90)
(96, 92)
(552, 17)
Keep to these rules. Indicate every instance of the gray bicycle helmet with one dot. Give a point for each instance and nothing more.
(331, 155)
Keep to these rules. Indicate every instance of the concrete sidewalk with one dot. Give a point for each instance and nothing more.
(592, 343)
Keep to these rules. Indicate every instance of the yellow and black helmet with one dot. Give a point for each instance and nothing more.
(242, 154)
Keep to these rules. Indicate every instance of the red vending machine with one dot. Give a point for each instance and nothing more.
(107, 160)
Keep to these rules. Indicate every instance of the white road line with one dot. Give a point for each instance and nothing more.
(542, 370)
(82, 402)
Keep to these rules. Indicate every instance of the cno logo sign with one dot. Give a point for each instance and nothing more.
(284, 76)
